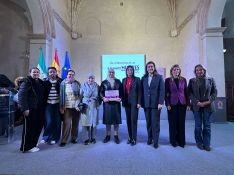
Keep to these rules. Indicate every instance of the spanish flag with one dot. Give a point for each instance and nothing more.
(56, 63)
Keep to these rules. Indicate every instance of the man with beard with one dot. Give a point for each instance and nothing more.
(52, 127)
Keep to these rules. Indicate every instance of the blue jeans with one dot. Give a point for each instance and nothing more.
(52, 129)
(202, 130)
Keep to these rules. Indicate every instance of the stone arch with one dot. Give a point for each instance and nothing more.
(43, 30)
(211, 33)
(42, 18)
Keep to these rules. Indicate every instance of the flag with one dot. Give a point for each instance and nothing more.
(55, 63)
(66, 66)
(41, 65)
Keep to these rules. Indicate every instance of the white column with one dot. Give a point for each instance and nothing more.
(35, 44)
(213, 57)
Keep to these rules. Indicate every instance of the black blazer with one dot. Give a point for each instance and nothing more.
(155, 93)
(134, 96)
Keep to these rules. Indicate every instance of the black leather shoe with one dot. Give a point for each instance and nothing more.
(93, 141)
(86, 142)
(182, 146)
(174, 144)
(116, 139)
(149, 142)
(73, 141)
(207, 148)
(62, 144)
(200, 146)
(107, 139)
(155, 146)
(133, 142)
(129, 141)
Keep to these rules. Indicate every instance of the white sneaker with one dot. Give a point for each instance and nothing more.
(52, 142)
(42, 141)
(33, 150)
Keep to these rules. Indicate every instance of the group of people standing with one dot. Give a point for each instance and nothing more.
(47, 103)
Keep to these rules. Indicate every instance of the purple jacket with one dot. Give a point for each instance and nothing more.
(176, 94)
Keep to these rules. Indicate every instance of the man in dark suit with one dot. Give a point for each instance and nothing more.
(153, 93)
(132, 102)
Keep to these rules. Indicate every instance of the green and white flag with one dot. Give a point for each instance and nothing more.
(41, 65)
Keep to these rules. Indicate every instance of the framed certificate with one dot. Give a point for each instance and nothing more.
(111, 94)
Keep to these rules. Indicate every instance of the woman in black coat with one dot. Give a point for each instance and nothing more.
(32, 102)
(111, 104)
(132, 102)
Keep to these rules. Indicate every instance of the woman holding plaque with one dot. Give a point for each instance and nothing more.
(132, 102)
(111, 93)
(152, 100)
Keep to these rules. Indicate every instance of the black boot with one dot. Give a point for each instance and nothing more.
(116, 139)
(107, 139)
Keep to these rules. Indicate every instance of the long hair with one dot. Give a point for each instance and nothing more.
(18, 81)
(155, 70)
(133, 70)
(199, 65)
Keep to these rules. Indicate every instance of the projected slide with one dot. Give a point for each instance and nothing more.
(120, 62)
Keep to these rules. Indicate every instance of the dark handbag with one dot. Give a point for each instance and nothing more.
(82, 107)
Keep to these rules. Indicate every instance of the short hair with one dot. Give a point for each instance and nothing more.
(30, 70)
(175, 65)
(71, 70)
(51, 68)
(133, 70)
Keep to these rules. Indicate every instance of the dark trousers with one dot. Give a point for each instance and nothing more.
(176, 119)
(132, 117)
(52, 130)
(32, 127)
(202, 130)
(152, 116)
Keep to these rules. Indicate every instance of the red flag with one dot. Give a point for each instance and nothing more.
(56, 63)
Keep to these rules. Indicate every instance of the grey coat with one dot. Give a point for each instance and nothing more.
(89, 95)
(210, 93)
